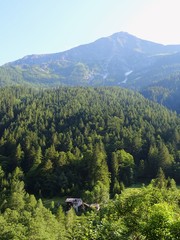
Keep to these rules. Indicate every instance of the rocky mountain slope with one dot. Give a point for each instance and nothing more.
(118, 60)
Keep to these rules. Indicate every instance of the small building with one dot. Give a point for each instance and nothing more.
(75, 203)
(79, 205)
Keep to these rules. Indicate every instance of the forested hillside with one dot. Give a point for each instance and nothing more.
(73, 140)
(165, 92)
(91, 143)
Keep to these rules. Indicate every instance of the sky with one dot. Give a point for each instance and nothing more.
(48, 26)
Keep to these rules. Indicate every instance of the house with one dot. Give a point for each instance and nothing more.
(76, 203)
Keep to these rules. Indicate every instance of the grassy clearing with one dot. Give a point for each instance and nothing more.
(57, 201)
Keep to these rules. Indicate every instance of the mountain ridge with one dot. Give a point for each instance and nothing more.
(120, 37)
(104, 62)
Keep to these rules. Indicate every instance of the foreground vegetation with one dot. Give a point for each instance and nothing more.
(150, 212)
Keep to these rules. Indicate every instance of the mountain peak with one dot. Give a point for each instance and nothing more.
(120, 59)
(121, 34)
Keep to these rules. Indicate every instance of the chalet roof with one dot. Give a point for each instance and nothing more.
(72, 200)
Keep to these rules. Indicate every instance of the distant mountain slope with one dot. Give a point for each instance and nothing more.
(120, 60)
(165, 92)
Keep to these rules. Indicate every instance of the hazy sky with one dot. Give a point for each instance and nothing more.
(47, 26)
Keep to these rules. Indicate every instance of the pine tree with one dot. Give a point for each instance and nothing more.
(160, 181)
(99, 167)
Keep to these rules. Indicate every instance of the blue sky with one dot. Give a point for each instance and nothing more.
(47, 26)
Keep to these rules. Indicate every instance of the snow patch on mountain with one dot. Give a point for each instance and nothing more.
(126, 74)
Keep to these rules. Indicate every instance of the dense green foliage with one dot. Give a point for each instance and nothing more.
(150, 213)
(89, 141)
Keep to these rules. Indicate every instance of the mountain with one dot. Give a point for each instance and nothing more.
(118, 60)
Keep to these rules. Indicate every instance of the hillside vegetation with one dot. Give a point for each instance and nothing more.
(69, 140)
